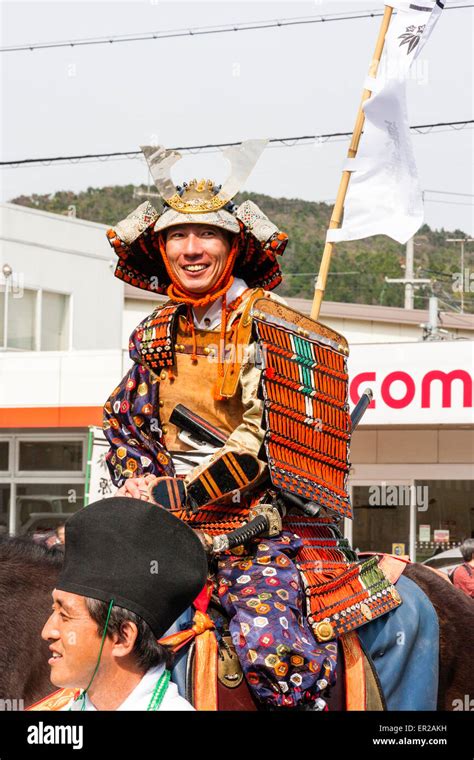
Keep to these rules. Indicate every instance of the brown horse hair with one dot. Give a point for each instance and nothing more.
(18, 548)
(28, 575)
(455, 613)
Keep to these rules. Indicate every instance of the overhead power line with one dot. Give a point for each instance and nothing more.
(449, 192)
(199, 31)
(283, 141)
(447, 203)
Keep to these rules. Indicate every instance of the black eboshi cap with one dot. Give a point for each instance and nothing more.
(137, 554)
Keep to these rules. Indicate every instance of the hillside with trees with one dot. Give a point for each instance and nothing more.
(358, 268)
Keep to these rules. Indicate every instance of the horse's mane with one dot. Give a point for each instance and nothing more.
(27, 551)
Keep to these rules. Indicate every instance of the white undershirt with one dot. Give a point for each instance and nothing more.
(211, 319)
(140, 697)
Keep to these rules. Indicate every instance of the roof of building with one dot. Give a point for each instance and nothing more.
(354, 311)
(53, 215)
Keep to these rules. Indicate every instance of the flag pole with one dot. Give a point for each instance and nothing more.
(336, 217)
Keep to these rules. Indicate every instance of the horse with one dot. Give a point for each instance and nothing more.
(28, 574)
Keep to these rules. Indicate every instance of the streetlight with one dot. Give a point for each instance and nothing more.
(7, 272)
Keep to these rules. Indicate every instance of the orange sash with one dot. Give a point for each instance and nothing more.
(354, 672)
(205, 657)
(55, 701)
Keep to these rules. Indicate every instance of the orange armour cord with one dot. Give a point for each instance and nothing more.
(221, 351)
(192, 329)
(177, 293)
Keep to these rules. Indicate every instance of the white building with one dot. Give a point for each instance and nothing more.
(64, 327)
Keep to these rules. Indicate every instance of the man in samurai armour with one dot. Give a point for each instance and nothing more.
(213, 260)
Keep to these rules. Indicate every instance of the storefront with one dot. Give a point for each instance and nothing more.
(42, 477)
(66, 322)
(412, 476)
(412, 516)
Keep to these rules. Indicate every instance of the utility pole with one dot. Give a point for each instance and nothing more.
(408, 283)
(409, 262)
(462, 241)
(431, 329)
(409, 280)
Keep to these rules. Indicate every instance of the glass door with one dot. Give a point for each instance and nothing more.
(381, 516)
(447, 518)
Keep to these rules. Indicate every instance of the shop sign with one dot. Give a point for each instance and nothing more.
(98, 482)
(414, 383)
(424, 533)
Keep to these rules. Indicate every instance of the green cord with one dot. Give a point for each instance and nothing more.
(83, 694)
(159, 690)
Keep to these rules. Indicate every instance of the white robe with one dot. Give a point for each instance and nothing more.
(140, 697)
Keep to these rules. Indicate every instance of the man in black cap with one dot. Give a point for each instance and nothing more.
(122, 585)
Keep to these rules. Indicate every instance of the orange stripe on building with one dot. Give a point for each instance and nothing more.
(51, 416)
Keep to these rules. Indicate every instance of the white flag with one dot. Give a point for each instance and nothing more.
(384, 197)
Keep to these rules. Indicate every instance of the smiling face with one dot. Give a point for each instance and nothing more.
(74, 641)
(197, 255)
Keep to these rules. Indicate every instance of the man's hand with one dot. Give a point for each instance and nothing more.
(136, 488)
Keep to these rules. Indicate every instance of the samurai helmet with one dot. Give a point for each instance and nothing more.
(135, 239)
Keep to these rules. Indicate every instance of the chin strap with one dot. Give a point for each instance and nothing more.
(82, 696)
(177, 293)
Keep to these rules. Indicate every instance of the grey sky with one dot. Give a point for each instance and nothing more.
(218, 88)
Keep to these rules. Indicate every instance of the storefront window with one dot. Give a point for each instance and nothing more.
(42, 480)
(381, 518)
(4, 506)
(43, 506)
(45, 456)
(448, 518)
(3, 456)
